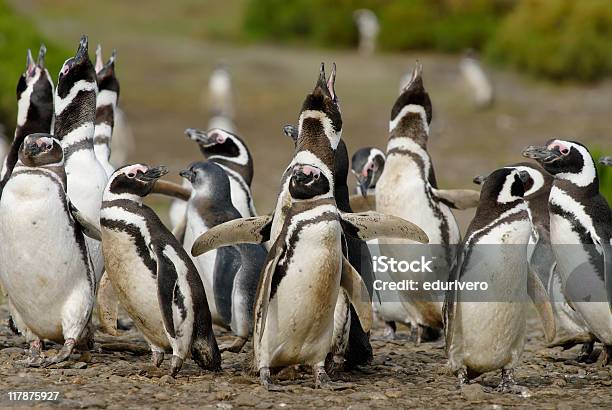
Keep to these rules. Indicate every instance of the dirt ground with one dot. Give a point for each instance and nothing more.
(402, 375)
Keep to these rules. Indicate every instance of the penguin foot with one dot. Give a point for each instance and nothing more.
(508, 384)
(235, 347)
(175, 365)
(585, 352)
(606, 356)
(266, 380)
(157, 358)
(322, 380)
(62, 355)
(35, 357)
(418, 334)
(462, 376)
(389, 332)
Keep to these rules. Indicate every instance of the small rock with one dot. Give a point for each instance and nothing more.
(80, 365)
(288, 373)
(12, 350)
(85, 357)
(473, 392)
(167, 379)
(240, 380)
(93, 403)
(161, 396)
(115, 379)
(393, 394)
(246, 400)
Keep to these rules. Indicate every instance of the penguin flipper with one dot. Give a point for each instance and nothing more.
(372, 225)
(87, 226)
(171, 189)
(458, 198)
(358, 294)
(264, 289)
(255, 229)
(541, 300)
(179, 229)
(359, 203)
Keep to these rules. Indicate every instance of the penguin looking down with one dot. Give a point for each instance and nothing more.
(44, 261)
(34, 108)
(581, 233)
(154, 278)
(367, 164)
(230, 274)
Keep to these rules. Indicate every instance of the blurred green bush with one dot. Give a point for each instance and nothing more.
(604, 173)
(554, 39)
(17, 34)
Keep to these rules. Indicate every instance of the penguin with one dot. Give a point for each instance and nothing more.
(75, 115)
(230, 274)
(232, 154)
(44, 263)
(607, 161)
(409, 176)
(220, 99)
(367, 164)
(106, 104)
(34, 108)
(299, 288)
(581, 233)
(485, 327)
(570, 328)
(476, 80)
(154, 278)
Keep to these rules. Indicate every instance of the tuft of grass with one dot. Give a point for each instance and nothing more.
(604, 173)
(17, 35)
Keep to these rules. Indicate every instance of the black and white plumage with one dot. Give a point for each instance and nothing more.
(367, 165)
(44, 262)
(230, 274)
(75, 115)
(34, 108)
(581, 233)
(408, 177)
(154, 278)
(106, 105)
(485, 330)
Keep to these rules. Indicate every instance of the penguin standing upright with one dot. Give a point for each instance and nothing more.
(106, 104)
(367, 165)
(34, 108)
(581, 233)
(409, 176)
(485, 326)
(221, 99)
(153, 276)
(44, 262)
(298, 292)
(230, 274)
(75, 115)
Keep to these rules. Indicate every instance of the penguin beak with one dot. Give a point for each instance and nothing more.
(364, 183)
(187, 174)
(201, 137)
(304, 173)
(479, 179)
(607, 161)
(30, 65)
(41, 56)
(291, 131)
(541, 154)
(82, 51)
(153, 174)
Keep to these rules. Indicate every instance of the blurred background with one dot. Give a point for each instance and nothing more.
(501, 74)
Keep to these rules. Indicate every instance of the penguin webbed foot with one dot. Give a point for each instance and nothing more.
(323, 381)
(462, 377)
(235, 347)
(175, 365)
(585, 353)
(266, 380)
(605, 358)
(334, 363)
(35, 357)
(62, 355)
(508, 384)
(389, 332)
(157, 358)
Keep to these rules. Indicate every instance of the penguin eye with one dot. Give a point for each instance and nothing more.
(564, 151)
(130, 175)
(316, 176)
(65, 69)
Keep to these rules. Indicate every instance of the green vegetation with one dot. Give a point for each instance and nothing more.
(17, 34)
(604, 173)
(554, 39)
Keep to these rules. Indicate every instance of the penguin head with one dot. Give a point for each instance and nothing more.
(539, 181)
(208, 179)
(105, 72)
(367, 165)
(219, 143)
(505, 185)
(607, 161)
(320, 114)
(75, 69)
(134, 180)
(35, 85)
(563, 159)
(41, 149)
(308, 182)
(413, 104)
(291, 131)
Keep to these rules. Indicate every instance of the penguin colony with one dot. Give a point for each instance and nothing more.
(77, 240)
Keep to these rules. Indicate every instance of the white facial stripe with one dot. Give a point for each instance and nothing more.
(567, 203)
(243, 156)
(374, 152)
(309, 214)
(538, 178)
(106, 97)
(588, 172)
(410, 108)
(82, 133)
(505, 195)
(328, 128)
(408, 144)
(23, 104)
(81, 85)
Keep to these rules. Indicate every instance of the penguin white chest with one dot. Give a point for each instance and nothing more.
(300, 318)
